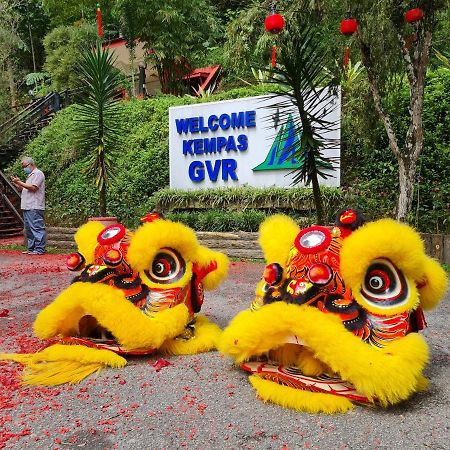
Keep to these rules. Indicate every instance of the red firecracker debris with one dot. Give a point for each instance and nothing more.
(160, 363)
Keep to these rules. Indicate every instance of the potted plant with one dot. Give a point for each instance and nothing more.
(99, 119)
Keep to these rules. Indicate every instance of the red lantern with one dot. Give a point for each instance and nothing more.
(99, 22)
(349, 26)
(413, 15)
(274, 23)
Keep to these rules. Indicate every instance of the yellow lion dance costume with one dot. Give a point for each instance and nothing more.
(137, 293)
(336, 316)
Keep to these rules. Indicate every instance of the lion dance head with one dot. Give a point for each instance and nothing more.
(336, 316)
(137, 293)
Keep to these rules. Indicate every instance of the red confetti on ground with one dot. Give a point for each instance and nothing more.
(160, 363)
(4, 312)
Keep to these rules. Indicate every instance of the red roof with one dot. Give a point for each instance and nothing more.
(206, 73)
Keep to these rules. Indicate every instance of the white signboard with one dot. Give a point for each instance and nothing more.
(242, 142)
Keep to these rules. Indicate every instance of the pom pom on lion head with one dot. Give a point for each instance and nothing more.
(138, 292)
(336, 316)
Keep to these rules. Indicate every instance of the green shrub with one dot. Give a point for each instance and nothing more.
(220, 220)
(62, 48)
(369, 175)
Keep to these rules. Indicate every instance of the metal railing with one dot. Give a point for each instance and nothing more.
(10, 197)
(32, 114)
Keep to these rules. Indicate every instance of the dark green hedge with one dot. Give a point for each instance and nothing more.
(245, 208)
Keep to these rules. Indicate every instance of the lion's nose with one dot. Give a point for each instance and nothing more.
(320, 274)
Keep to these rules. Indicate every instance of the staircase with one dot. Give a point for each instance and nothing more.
(17, 131)
(14, 135)
(11, 222)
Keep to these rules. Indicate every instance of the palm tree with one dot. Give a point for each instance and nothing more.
(302, 76)
(99, 117)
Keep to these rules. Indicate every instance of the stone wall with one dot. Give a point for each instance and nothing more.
(240, 244)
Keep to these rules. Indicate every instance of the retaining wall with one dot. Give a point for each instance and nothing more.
(242, 244)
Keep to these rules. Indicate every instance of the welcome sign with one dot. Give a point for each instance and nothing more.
(241, 142)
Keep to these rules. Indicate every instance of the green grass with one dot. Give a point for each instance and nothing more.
(52, 250)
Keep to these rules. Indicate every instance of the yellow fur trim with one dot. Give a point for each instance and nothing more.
(86, 239)
(435, 286)
(276, 237)
(391, 374)
(150, 238)
(206, 256)
(383, 239)
(61, 364)
(206, 337)
(132, 328)
(312, 402)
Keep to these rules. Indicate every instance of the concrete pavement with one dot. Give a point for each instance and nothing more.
(197, 402)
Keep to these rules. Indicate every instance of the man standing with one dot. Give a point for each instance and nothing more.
(33, 205)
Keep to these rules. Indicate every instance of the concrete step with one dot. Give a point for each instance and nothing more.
(11, 232)
(61, 244)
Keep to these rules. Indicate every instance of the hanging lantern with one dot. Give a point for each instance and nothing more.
(413, 15)
(99, 22)
(348, 27)
(274, 23)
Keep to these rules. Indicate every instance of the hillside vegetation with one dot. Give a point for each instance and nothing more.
(142, 167)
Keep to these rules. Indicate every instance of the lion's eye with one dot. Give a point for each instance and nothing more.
(384, 284)
(167, 267)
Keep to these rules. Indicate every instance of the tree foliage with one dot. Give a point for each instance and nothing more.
(173, 32)
(63, 46)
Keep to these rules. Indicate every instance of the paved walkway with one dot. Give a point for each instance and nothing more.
(197, 402)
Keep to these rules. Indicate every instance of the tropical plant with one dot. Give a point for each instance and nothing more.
(303, 57)
(38, 82)
(98, 119)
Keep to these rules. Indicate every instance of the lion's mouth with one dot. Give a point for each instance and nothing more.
(293, 365)
(89, 328)
(91, 334)
(330, 368)
(101, 316)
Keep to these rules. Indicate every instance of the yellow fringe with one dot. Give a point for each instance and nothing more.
(206, 337)
(311, 402)
(390, 374)
(60, 364)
